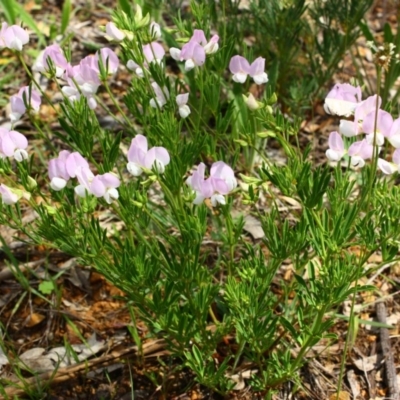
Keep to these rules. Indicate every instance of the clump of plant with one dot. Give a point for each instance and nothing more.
(170, 175)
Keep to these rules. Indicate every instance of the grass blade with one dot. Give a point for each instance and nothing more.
(66, 14)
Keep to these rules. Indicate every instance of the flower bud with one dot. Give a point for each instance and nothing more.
(251, 102)
(32, 184)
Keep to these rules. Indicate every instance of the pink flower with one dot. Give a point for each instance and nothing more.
(86, 76)
(58, 173)
(114, 33)
(365, 107)
(212, 46)
(105, 186)
(221, 181)
(18, 108)
(162, 96)
(182, 100)
(13, 37)
(390, 168)
(67, 165)
(336, 147)
(342, 99)
(240, 68)
(394, 135)
(74, 163)
(194, 55)
(139, 157)
(85, 177)
(109, 58)
(52, 55)
(13, 144)
(257, 71)
(349, 128)
(8, 196)
(195, 50)
(384, 122)
(153, 52)
(359, 152)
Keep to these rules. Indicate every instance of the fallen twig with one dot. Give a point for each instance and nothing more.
(63, 374)
(390, 368)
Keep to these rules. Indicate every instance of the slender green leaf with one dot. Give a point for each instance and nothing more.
(8, 8)
(65, 16)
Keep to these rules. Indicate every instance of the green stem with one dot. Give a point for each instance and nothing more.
(117, 106)
(29, 73)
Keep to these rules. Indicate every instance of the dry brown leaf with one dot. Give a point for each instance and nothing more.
(342, 396)
(34, 319)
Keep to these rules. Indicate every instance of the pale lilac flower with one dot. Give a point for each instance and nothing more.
(221, 181)
(349, 128)
(390, 168)
(109, 59)
(365, 107)
(139, 157)
(135, 68)
(257, 71)
(105, 186)
(193, 54)
(58, 173)
(155, 30)
(195, 50)
(384, 122)
(86, 76)
(114, 33)
(153, 52)
(175, 53)
(182, 100)
(85, 178)
(52, 55)
(18, 108)
(162, 96)
(212, 46)
(342, 99)
(221, 171)
(199, 37)
(8, 196)
(13, 37)
(74, 163)
(240, 68)
(336, 147)
(394, 135)
(13, 144)
(359, 152)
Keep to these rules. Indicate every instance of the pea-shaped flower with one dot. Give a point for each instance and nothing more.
(182, 100)
(18, 107)
(13, 144)
(336, 147)
(221, 181)
(140, 157)
(105, 186)
(13, 37)
(240, 68)
(9, 196)
(342, 100)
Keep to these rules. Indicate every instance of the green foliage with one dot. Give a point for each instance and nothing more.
(187, 270)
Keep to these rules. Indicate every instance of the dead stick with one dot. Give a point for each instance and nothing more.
(390, 368)
(63, 374)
